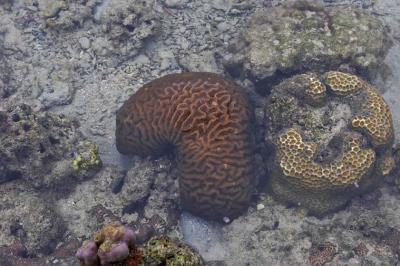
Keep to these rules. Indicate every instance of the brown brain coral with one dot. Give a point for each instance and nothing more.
(328, 147)
(208, 121)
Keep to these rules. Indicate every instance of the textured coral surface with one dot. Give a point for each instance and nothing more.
(163, 250)
(208, 121)
(329, 147)
(111, 244)
(297, 161)
(375, 118)
(322, 255)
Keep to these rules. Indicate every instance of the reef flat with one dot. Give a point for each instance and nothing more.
(66, 67)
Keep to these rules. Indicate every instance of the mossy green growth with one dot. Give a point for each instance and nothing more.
(88, 159)
(165, 251)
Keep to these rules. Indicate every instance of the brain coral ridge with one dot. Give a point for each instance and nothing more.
(319, 161)
(208, 120)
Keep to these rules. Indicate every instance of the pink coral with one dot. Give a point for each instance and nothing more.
(111, 244)
(87, 254)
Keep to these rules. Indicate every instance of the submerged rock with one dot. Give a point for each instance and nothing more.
(305, 36)
(28, 219)
(147, 201)
(331, 137)
(125, 26)
(43, 149)
(166, 251)
(66, 15)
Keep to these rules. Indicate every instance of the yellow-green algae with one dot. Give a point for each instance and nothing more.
(89, 159)
(165, 251)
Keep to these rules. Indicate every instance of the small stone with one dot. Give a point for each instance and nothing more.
(260, 206)
(84, 42)
(224, 5)
(176, 3)
(52, 8)
(223, 26)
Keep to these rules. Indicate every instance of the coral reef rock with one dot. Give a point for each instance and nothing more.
(166, 251)
(332, 137)
(66, 15)
(28, 219)
(43, 149)
(115, 22)
(208, 120)
(116, 244)
(133, 20)
(304, 36)
(145, 198)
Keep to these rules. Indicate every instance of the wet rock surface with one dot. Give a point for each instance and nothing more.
(303, 36)
(40, 148)
(147, 200)
(275, 232)
(29, 220)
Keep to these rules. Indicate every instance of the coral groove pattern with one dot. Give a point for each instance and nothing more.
(208, 120)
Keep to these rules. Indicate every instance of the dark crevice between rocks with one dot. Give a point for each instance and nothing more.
(10, 175)
(22, 153)
(332, 151)
(264, 86)
(136, 206)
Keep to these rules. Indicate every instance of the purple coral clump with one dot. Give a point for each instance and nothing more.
(87, 254)
(117, 252)
(111, 244)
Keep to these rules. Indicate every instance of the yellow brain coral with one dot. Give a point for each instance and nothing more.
(328, 147)
(343, 84)
(376, 119)
(376, 122)
(316, 90)
(296, 158)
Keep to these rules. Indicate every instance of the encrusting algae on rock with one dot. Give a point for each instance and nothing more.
(332, 146)
(165, 251)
